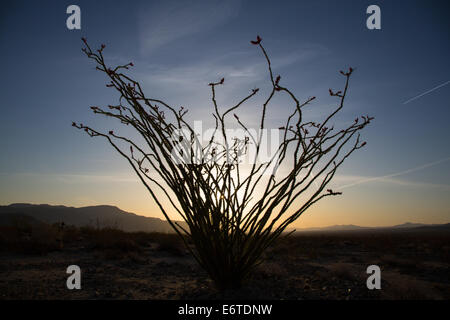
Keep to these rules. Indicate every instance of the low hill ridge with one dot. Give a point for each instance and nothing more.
(99, 215)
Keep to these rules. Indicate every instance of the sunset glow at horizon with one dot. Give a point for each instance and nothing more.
(401, 78)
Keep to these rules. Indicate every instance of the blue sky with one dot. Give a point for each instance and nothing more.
(178, 47)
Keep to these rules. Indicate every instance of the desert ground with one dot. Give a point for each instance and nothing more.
(414, 264)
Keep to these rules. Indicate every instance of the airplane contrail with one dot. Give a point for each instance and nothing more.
(397, 173)
(431, 90)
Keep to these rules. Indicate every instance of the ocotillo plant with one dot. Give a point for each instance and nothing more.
(233, 213)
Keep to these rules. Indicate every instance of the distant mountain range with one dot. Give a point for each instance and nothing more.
(351, 227)
(102, 216)
(111, 216)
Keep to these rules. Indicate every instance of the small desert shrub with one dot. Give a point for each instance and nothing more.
(25, 238)
(71, 234)
(111, 243)
(445, 254)
(7, 236)
(164, 241)
(171, 243)
(400, 287)
(111, 238)
(402, 263)
(342, 270)
(45, 238)
(142, 238)
(279, 248)
(272, 270)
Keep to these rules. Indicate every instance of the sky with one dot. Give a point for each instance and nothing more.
(402, 78)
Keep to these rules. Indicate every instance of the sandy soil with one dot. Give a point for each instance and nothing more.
(309, 266)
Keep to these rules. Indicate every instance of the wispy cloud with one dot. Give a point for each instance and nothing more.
(241, 69)
(186, 84)
(390, 178)
(162, 23)
(74, 177)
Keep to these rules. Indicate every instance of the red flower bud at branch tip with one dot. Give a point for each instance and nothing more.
(103, 46)
(83, 39)
(131, 64)
(363, 144)
(111, 132)
(222, 80)
(74, 124)
(350, 70)
(258, 40)
(312, 98)
(277, 80)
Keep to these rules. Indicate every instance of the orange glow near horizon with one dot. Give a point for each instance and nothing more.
(371, 204)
